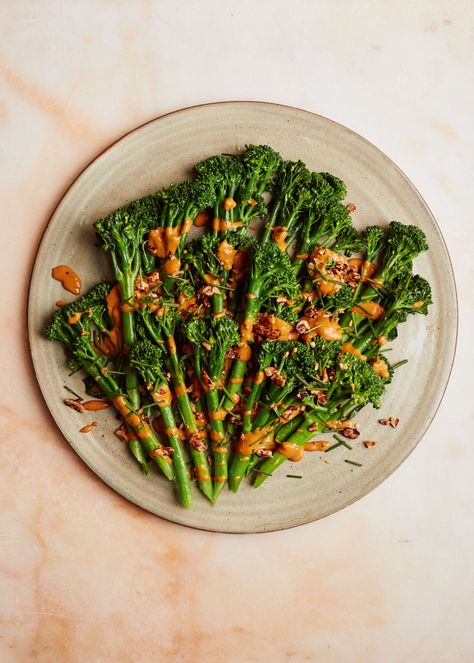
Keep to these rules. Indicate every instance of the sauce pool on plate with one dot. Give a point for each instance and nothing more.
(68, 278)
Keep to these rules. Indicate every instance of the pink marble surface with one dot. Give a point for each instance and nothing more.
(85, 576)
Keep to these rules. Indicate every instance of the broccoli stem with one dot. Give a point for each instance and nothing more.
(219, 445)
(240, 462)
(291, 427)
(272, 217)
(301, 435)
(132, 418)
(148, 260)
(127, 288)
(218, 308)
(252, 309)
(131, 387)
(179, 460)
(299, 438)
(199, 458)
(137, 451)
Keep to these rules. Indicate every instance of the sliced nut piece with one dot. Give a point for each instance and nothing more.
(75, 404)
(391, 421)
(197, 442)
(264, 453)
(350, 433)
(121, 433)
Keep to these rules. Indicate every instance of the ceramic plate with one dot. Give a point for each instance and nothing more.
(164, 151)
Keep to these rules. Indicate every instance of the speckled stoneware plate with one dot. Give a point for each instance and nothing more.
(164, 151)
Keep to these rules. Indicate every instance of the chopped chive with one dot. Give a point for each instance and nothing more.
(294, 476)
(226, 392)
(352, 462)
(334, 446)
(354, 324)
(73, 393)
(386, 350)
(150, 405)
(400, 363)
(341, 441)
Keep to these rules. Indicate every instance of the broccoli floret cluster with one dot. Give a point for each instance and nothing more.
(240, 338)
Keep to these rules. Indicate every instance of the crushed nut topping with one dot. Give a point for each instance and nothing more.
(290, 413)
(322, 398)
(391, 421)
(351, 433)
(197, 442)
(352, 277)
(303, 393)
(209, 290)
(75, 404)
(265, 331)
(164, 452)
(369, 443)
(302, 327)
(147, 286)
(200, 417)
(271, 372)
(207, 383)
(264, 453)
(121, 433)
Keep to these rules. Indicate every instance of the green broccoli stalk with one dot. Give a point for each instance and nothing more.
(373, 238)
(212, 339)
(347, 241)
(323, 216)
(283, 368)
(96, 324)
(409, 295)
(238, 182)
(354, 385)
(374, 242)
(209, 262)
(337, 302)
(122, 234)
(178, 206)
(291, 196)
(161, 329)
(403, 243)
(148, 359)
(260, 165)
(145, 209)
(270, 276)
(223, 174)
(335, 227)
(73, 326)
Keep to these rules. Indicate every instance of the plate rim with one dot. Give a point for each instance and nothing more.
(185, 109)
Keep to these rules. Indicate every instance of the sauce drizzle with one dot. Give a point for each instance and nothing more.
(68, 278)
(89, 427)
